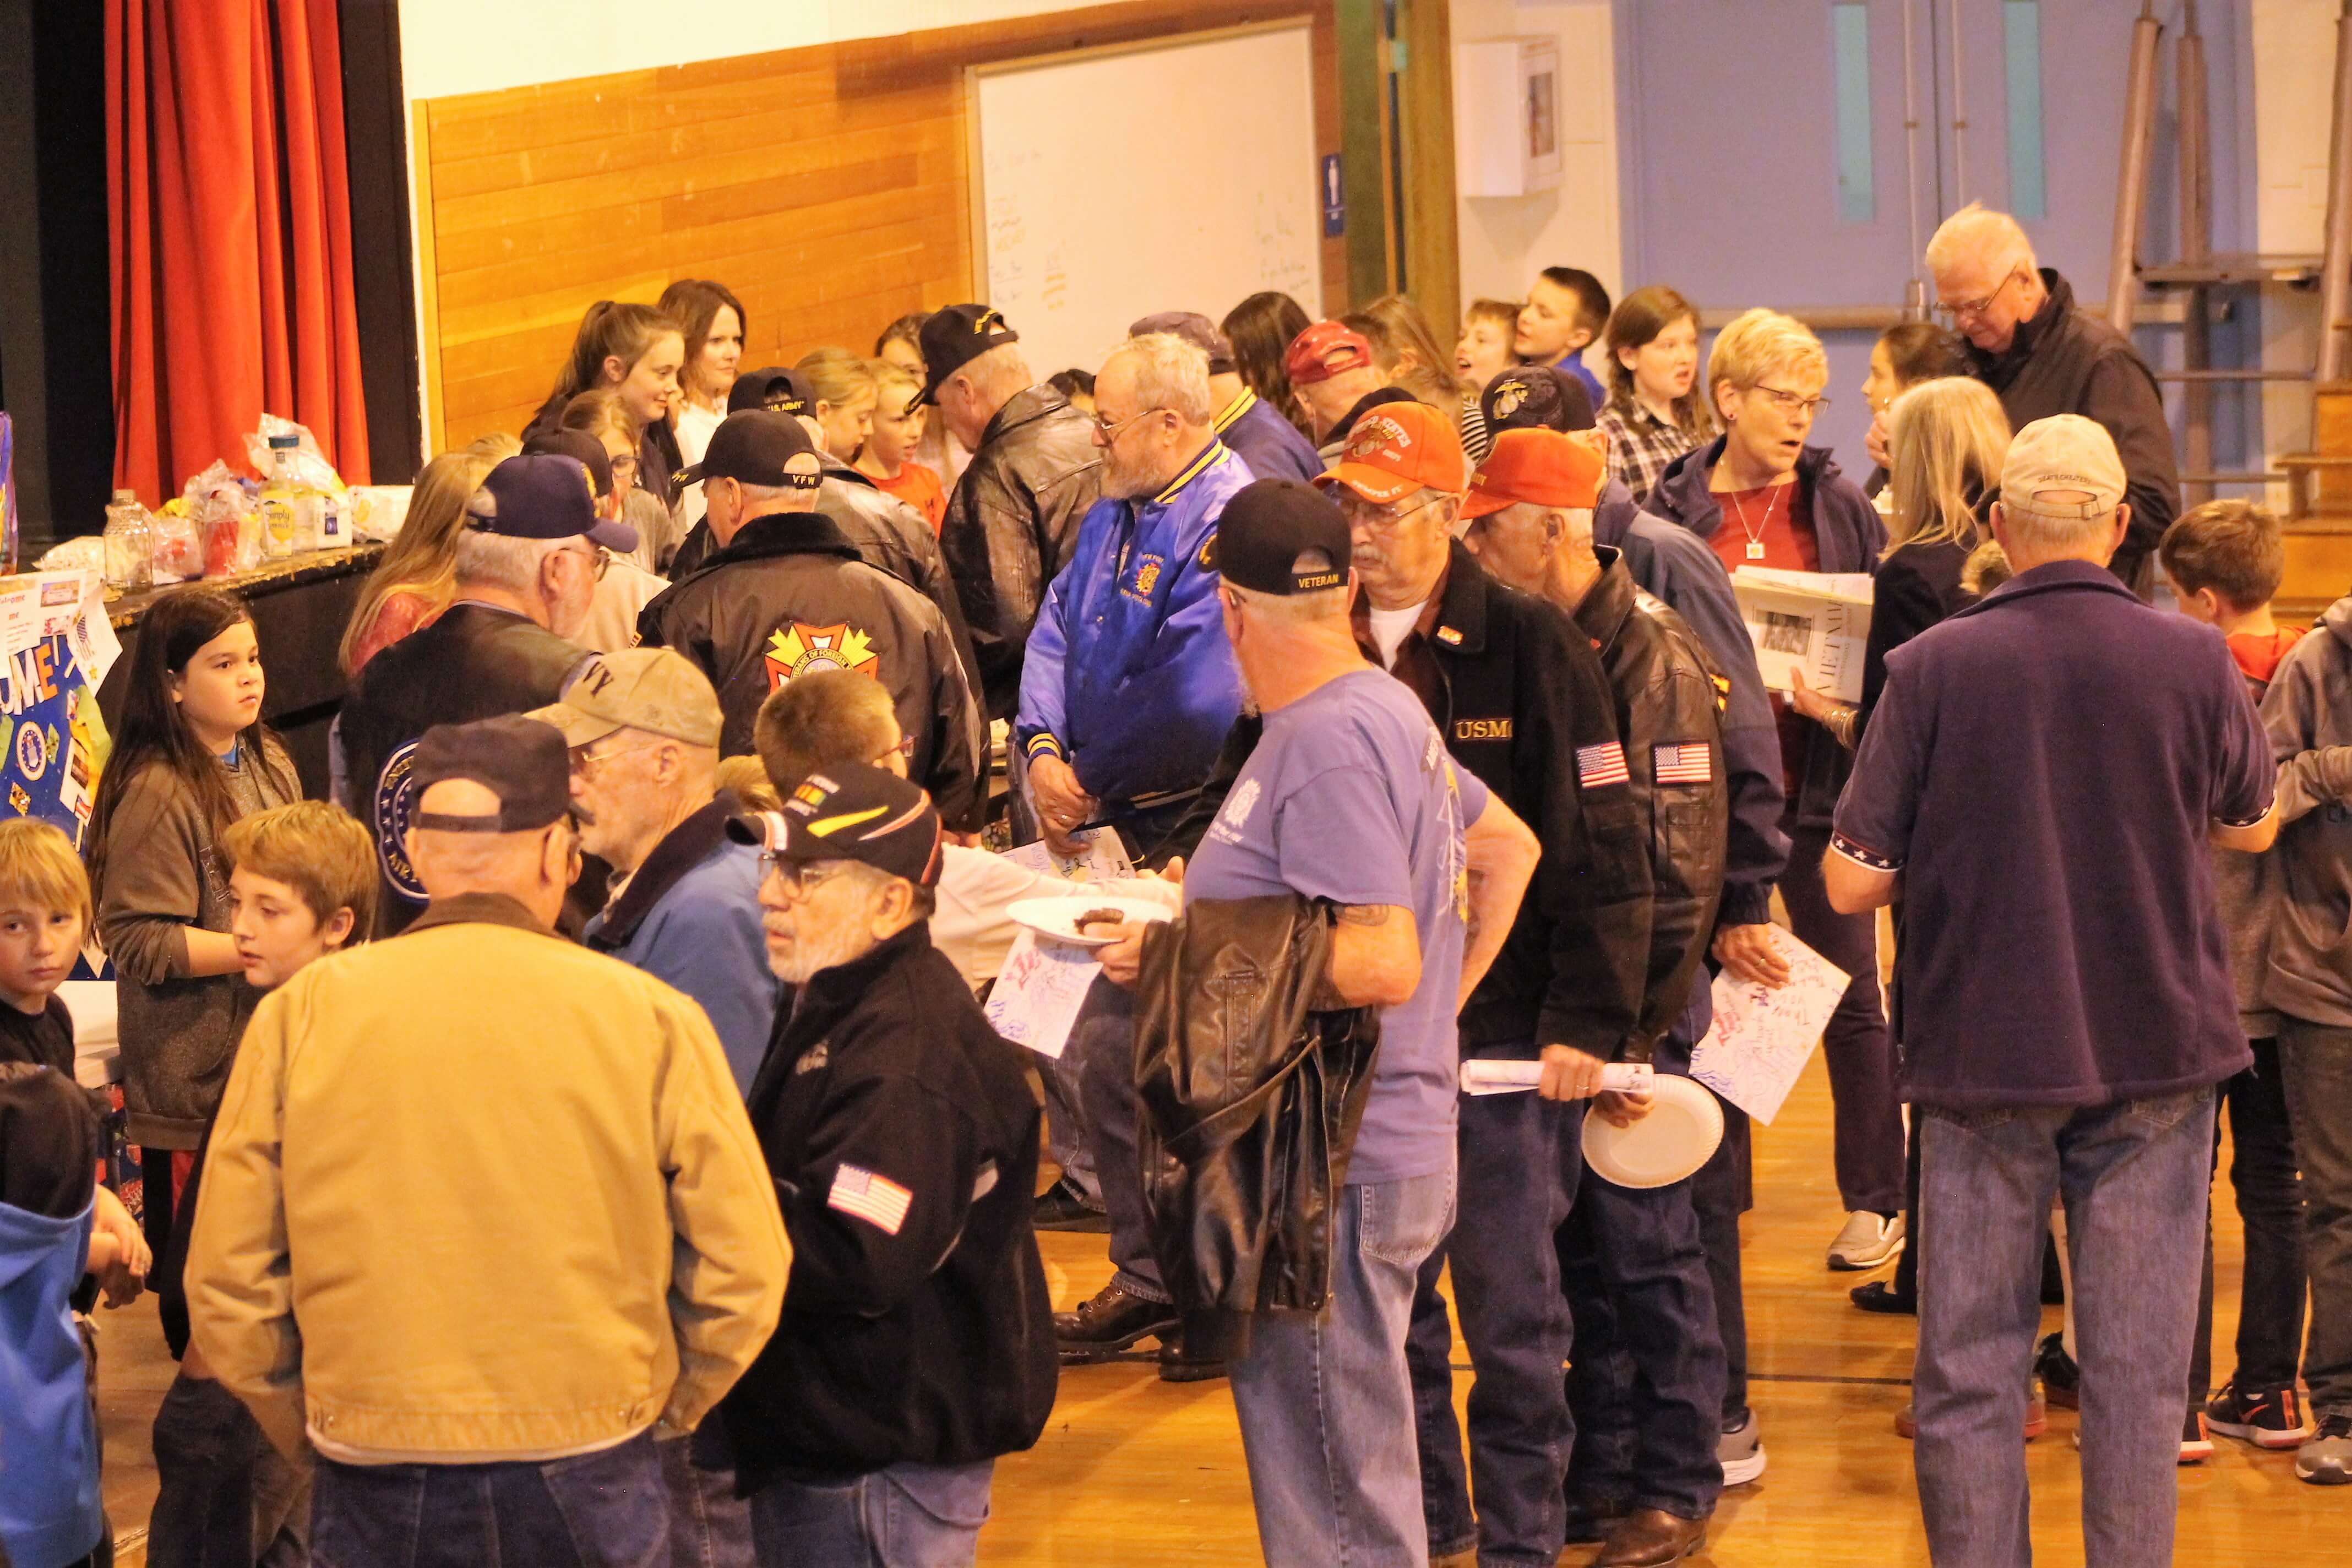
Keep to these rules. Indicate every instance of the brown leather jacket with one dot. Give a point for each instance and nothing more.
(1250, 1102)
(1011, 524)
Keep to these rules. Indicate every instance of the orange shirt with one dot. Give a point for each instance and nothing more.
(2258, 654)
(919, 486)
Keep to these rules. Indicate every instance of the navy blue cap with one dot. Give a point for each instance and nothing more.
(1536, 397)
(545, 496)
(575, 444)
(522, 761)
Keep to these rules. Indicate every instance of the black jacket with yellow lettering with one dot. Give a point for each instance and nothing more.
(1669, 700)
(1526, 706)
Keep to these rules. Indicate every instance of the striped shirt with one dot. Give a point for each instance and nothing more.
(1641, 445)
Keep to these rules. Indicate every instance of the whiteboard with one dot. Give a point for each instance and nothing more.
(1172, 176)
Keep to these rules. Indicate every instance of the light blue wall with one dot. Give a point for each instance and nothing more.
(1729, 159)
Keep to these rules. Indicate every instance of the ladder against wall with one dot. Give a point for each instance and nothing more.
(2319, 482)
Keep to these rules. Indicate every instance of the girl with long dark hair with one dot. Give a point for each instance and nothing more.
(639, 351)
(1261, 328)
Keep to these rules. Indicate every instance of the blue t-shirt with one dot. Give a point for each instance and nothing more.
(1351, 796)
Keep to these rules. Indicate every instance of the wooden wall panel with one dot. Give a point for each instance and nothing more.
(828, 187)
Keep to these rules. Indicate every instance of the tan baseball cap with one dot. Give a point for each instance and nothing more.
(656, 690)
(2065, 452)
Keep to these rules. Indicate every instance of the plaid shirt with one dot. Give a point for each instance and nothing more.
(1641, 445)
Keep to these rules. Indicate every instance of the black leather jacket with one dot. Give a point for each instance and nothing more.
(1669, 701)
(1250, 1101)
(1011, 525)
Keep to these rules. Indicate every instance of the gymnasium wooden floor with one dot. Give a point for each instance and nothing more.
(1138, 1473)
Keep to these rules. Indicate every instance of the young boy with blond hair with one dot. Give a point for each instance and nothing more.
(302, 884)
(2224, 560)
(61, 1229)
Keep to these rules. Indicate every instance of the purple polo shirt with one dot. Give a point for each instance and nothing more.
(2043, 769)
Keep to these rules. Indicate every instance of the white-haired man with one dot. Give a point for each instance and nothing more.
(2043, 355)
(527, 561)
(2049, 768)
(1013, 519)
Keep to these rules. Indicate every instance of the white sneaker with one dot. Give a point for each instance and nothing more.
(1867, 1241)
(1740, 1451)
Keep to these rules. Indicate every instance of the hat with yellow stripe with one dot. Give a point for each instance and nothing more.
(855, 813)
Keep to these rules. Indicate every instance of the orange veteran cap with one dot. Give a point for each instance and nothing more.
(1397, 448)
(1549, 467)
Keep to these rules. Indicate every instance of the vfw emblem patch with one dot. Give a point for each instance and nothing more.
(800, 648)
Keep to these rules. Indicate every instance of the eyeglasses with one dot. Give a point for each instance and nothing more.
(586, 764)
(1109, 428)
(1973, 309)
(1791, 404)
(799, 878)
(1361, 513)
(624, 467)
(904, 748)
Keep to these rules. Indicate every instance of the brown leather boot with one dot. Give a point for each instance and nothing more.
(1649, 1537)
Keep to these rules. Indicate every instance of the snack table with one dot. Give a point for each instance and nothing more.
(300, 604)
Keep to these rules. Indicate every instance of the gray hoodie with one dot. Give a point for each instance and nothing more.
(2308, 712)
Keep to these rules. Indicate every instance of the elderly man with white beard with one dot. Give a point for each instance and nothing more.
(917, 1343)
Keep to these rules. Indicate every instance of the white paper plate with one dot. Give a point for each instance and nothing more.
(1057, 918)
(1673, 1141)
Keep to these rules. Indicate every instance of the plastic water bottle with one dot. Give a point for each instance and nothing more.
(286, 502)
(129, 541)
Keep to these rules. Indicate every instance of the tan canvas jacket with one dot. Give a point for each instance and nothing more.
(476, 1194)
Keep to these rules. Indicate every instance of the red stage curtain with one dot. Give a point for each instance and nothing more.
(229, 210)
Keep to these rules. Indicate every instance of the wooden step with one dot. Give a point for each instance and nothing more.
(2319, 560)
(2319, 483)
(2331, 418)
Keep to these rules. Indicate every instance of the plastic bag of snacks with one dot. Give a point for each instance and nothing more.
(308, 466)
(179, 554)
(227, 524)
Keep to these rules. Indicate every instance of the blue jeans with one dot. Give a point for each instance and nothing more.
(906, 1516)
(2135, 1178)
(1520, 1158)
(1106, 1028)
(710, 1526)
(605, 1510)
(1325, 1404)
(1645, 1389)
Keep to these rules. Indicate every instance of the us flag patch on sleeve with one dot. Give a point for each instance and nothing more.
(1597, 766)
(1683, 762)
(877, 1200)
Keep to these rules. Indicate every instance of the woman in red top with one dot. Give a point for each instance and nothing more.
(418, 575)
(1760, 497)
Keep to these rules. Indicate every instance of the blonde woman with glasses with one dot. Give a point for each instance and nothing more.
(1761, 496)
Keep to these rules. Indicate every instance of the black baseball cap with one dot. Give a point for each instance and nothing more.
(545, 495)
(578, 444)
(1195, 329)
(953, 338)
(854, 813)
(759, 447)
(1267, 526)
(773, 386)
(1536, 397)
(522, 761)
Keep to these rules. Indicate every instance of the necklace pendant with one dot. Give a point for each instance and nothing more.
(1755, 550)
